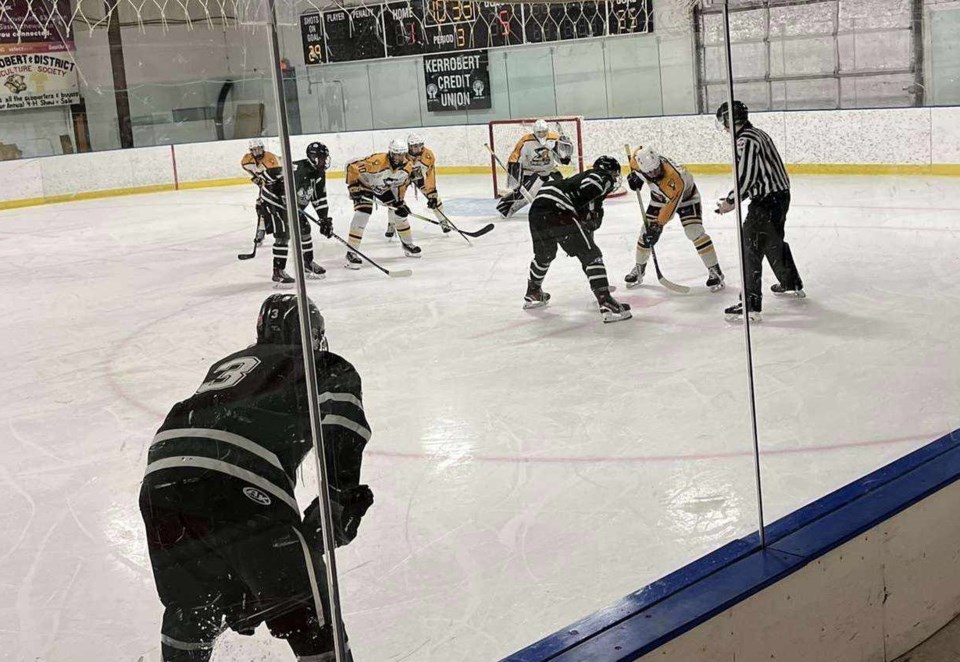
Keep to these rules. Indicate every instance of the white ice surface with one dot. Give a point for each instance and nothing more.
(529, 468)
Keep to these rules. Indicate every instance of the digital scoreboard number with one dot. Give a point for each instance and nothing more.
(419, 27)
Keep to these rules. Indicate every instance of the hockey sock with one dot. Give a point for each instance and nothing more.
(643, 252)
(357, 226)
(597, 274)
(307, 250)
(693, 228)
(537, 272)
(279, 256)
(403, 229)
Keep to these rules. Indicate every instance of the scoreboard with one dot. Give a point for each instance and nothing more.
(418, 27)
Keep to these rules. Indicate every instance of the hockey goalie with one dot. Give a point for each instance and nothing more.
(535, 159)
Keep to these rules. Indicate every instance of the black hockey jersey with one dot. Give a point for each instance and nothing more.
(577, 195)
(310, 182)
(249, 420)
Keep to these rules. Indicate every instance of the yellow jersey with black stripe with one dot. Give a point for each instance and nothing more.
(425, 171)
(673, 187)
(535, 156)
(375, 173)
(258, 167)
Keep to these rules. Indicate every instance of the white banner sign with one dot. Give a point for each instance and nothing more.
(37, 80)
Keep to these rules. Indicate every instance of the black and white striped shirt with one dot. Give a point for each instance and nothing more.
(759, 166)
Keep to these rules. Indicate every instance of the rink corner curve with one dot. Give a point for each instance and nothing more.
(867, 572)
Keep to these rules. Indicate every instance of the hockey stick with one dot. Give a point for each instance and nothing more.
(670, 285)
(523, 191)
(250, 255)
(476, 233)
(402, 273)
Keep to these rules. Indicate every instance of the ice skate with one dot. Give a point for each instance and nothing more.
(535, 297)
(635, 277)
(282, 278)
(715, 279)
(780, 290)
(411, 251)
(314, 271)
(612, 310)
(391, 231)
(353, 261)
(735, 314)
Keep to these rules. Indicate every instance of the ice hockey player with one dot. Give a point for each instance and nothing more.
(310, 180)
(763, 179)
(566, 214)
(672, 192)
(535, 160)
(256, 162)
(383, 177)
(424, 163)
(227, 543)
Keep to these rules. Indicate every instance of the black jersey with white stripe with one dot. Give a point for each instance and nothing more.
(249, 419)
(576, 195)
(310, 182)
(759, 167)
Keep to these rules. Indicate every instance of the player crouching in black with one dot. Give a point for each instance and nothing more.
(227, 543)
(566, 214)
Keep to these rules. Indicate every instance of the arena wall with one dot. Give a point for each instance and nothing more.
(864, 574)
(861, 142)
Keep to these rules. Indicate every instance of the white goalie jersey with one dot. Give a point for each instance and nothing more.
(540, 156)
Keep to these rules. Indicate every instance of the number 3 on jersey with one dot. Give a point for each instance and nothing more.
(230, 374)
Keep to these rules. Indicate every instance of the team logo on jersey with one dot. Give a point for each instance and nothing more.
(256, 495)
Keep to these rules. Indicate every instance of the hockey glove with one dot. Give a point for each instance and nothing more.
(326, 227)
(725, 205)
(401, 209)
(592, 220)
(434, 203)
(356, 192)
(634, 181)
(651, 234)
(348, 506)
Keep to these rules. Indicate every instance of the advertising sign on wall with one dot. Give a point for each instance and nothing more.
(37, 80)
(458, 81)
(29, 26)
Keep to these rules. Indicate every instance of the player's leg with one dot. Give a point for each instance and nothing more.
(635, 277)
(402, 224)
(287, 580)
(691, 217)
(192, 580)
(310, 268)
(362, 209)
(281, 245)
(778, 251)
(580, 244)
(544, 252)
(514, 201)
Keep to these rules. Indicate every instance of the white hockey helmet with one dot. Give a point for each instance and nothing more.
(540, 130)
(415, 144)
(256, 146)
(647, 159)
(397, 152)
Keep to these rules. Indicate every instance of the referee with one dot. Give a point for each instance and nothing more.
(763, 179)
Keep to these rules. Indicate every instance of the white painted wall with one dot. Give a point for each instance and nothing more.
(923, 136)
(870, 600)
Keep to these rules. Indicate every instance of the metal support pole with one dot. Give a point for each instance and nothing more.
(309, 367)
(743, 271)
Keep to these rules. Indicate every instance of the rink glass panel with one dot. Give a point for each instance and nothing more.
(863, 370)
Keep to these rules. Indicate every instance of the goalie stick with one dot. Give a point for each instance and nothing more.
(670, 285)
(401, 273)
(523, 191)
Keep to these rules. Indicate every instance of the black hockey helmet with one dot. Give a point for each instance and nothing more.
(279, 322)
(318, 155)
(610, 167)
(740, 114)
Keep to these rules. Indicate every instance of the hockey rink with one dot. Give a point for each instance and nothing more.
(529, 467)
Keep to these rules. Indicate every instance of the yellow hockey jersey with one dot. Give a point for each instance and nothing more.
(673, 187)
(375, 174)
(535, 157)
(425, 171)
(259, 167)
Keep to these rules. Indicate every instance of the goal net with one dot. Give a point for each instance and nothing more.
(504, 135)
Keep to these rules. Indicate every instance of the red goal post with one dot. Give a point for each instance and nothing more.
(504, 134)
